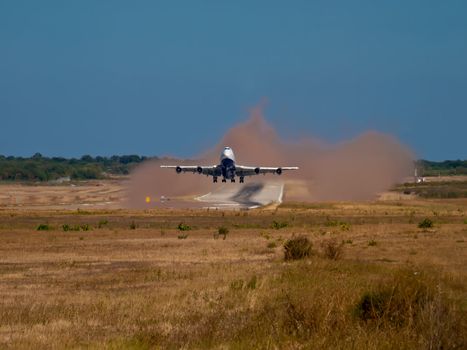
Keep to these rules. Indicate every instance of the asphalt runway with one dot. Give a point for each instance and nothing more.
(243, 196)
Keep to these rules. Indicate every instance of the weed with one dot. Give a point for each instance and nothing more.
(133, 225)
(102, 223)
(223, 231)
(372, 243)
(331, 223)
(236, 285)
(43, 227)
(183, 227)
(278, 225)
(182, 236)
(425, 223)
(297, 248)
(252, 283)
(347, 241)
(416, 302)
(82, 227)
(344, 226)
(272, 245)
(331, 249)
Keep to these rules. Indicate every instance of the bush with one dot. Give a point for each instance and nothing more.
(252, 283)
(278, 225)
(43, 227)
(345, 226)
(83, 227)
(102, 223)
(297, 248)
(183, 227)
(272, 245)
(133, 225)
(426, 223)
(372, 243)
(223, 231)
(331, 249)
(412, 300)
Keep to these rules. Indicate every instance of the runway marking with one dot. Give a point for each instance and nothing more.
(281, 194)
(204, 195)
(250, 196)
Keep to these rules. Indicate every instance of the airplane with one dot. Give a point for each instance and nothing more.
(228, 169)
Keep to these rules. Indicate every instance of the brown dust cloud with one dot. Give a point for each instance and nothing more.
(356, 169)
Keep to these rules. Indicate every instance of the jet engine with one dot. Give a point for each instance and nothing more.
(199, 170)
(178, 170)
(257, 170)
(279, 171)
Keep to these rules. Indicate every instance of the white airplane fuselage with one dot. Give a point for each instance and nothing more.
(227, 164)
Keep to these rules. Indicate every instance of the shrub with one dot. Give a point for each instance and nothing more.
(236, 284)
(183, 227)
(331, 249)
(182, 236)
(272, 245)
(415, 301)
(102, 223)
(372, 243)
(252, 283)
(133, 225)
(345, 226)
(83, 227)
(278, 225)
(297, 248)
(223, 231)
(43, 227)
(426, 223)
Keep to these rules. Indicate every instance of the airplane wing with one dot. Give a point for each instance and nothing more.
(212, 170)
(241, 170)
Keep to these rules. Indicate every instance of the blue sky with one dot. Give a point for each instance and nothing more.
(170, 77)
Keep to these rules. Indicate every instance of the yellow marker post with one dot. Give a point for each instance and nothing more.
(148, 199)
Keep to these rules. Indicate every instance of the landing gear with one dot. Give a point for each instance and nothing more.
(224, 180)
(232, 180)
(242, 179)
(214, 179)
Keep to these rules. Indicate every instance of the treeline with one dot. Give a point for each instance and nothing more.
(447, 167)
(39, 168)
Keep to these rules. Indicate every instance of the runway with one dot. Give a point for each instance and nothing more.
(243, 196)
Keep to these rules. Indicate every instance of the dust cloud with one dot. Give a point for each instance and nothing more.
(357, 169)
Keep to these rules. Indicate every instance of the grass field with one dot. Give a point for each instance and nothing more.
(123, 279)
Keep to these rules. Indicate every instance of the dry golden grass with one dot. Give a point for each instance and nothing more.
(140, 286)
